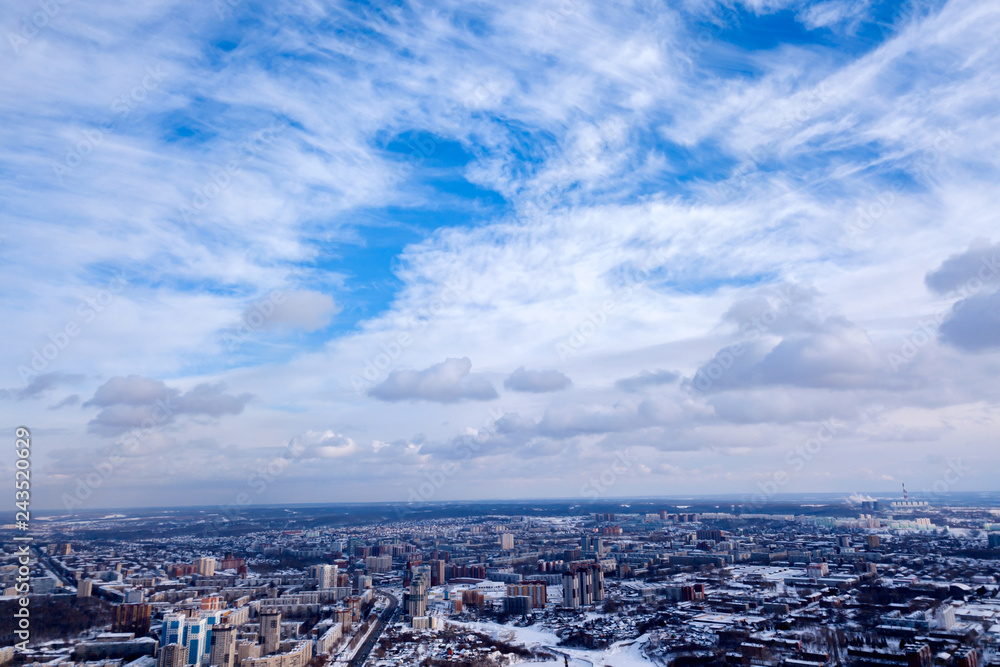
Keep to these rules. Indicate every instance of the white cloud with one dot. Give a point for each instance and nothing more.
(296, 309)
(139, 402)
(322, 445)
(538, 382)
(647, 379)
(447, 382)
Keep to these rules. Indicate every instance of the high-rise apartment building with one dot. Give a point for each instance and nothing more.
(583, 587)
(223, 646)
(196, 639)
(422, 573)
(517, 606)
(172, 630)
(205, 566)
(586, 587)
(966, 657)
(437, 572)
(324, 575)
(571, 590)
(131, 618)
(378, 564)
(270, 631)
(212, 618)
(597, 583)
(918, 655)
(361, 582)
(172, 655)
(416, 598)
(535, 591)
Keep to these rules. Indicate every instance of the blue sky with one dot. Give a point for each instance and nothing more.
(523, 237)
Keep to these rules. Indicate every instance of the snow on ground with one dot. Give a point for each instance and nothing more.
(620, 654)
(530, 636)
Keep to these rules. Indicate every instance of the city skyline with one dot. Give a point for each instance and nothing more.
(425, 252)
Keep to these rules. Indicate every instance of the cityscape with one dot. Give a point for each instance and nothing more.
(500, 333)
(805, 581)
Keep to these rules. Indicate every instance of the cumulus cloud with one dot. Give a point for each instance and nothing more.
(321, 445)
(973, 275)
(646, 379)
(780, 309)
(446, 382)
(135, 401)
(828, 353)
(841, 356)
(977, 265)
(131, 390)
(210, 400)
(974, 323)
(513, 422)
(296, 309)
(538, 382)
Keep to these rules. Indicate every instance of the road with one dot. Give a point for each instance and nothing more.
(362, 653)
(51, 566)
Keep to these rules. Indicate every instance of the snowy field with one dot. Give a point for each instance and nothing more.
(619, 654)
